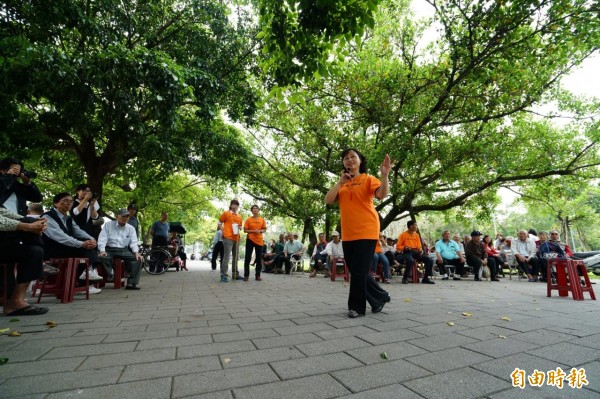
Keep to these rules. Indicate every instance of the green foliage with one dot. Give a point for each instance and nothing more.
(452, 113)
(136, 88)
(304, 39)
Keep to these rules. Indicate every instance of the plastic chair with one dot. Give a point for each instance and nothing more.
(63, 284)
(339, 262)
(296, 264)
(118, 274)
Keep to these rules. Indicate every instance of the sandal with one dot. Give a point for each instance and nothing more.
(28, 311)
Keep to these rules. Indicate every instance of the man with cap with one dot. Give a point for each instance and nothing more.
(333, 249)
(118, 240)
(133, 220)
(477, 256)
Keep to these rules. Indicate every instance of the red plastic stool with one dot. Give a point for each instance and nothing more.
(378, 276)
(566, 279)
(582, 271)
(335, 262)
(62, 284)
(118, 274)
(415, 272)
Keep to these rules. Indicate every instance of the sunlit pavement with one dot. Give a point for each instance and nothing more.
(185, 334)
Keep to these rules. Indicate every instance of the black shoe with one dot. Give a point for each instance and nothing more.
(495, 279)
(132, 287)
(446, 278)
(427, 281)
(457, 279)
(404, 281)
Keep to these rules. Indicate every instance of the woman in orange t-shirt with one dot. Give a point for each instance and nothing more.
(255, 226)
(354, 193)
(232, 222)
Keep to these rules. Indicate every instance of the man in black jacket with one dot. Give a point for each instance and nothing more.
(16, 187)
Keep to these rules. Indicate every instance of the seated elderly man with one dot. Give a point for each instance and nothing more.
(292, 248)
(477, 257)
(333, 250)
(317, 258)
(65, 239)
(118, 240)
(20, 242)
(525, 250)
(448, 252)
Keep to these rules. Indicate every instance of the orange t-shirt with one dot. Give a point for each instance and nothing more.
(408, 240)
(359, 218)
(253, 223)
(378, 249)
(229, 219)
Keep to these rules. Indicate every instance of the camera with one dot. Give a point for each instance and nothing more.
(94, 195)
(30, 174)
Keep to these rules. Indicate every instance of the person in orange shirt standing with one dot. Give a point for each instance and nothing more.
(354, 193)
(255, 226)
(232, 222)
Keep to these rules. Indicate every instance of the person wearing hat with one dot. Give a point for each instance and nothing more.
(232, 224)
(477, 256)
(119, 240)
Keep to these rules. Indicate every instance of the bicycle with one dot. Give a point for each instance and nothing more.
(155, 260)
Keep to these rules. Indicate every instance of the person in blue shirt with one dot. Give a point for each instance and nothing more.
(448, 252)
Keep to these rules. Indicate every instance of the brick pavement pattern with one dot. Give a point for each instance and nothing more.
(187, 335)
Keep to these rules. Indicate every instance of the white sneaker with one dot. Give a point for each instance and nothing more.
(94, 290)
(94, 276)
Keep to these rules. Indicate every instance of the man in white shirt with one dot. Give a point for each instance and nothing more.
(333, 250)
(118, 240)
(525, 250)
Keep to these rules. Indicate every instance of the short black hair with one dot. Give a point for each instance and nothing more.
(532, 231)
(6, 162)
(410, 223)
(59, 197)
(363, 160)
(81, 187)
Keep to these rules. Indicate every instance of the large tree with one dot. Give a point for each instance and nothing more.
(454, 112)
(135, 88)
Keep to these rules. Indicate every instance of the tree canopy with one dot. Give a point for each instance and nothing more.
(127, 87)
(454, 112)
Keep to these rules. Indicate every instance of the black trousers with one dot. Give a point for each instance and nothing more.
(476, 263)
(29, 259)
(410, 257)
(218, 251)
(358, 255)
(251, 245)
(459, 267)
(532, 266)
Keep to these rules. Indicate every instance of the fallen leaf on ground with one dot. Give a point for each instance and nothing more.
(407, 300)
(13, 320)
(467, 314)
(226, 360)
(2, 331)
(14, 333)
(384, 355)
(450, 323)
(505, 318)
(502, 336)
(51, 324)
(3, 360)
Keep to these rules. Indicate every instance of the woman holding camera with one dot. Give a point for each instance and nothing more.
(85, 209)
(354, 193)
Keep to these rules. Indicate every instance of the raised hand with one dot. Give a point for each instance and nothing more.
(386, 165)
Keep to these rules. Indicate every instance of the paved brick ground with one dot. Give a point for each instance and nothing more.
(188, 335)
